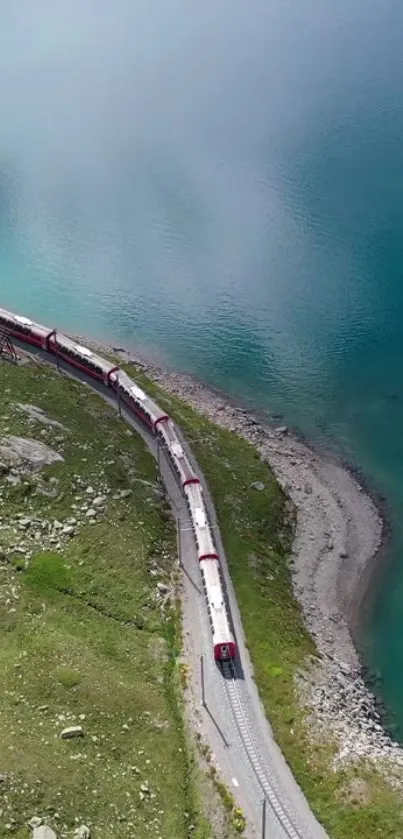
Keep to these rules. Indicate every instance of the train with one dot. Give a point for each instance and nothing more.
(167, 435)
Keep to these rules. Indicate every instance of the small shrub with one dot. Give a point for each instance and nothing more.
(46, 572)
(67, 677)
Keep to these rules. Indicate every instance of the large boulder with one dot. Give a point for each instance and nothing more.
(27, 454)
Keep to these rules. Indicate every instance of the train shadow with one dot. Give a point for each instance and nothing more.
(191, 580)
(8, 359)
(231, 669)
(216, 726)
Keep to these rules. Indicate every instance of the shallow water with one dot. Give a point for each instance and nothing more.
(223, 186)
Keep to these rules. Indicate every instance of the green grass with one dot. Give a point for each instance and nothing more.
(85, 635)
(84, 639)
(257, 530)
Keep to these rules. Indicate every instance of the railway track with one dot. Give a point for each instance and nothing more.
(260, 767)
(288, 826)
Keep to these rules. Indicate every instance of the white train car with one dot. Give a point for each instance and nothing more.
(136, 399)
(209, 563)
(83, 358)
(168, 436)
(223, 640)
(26, 330)
(202, 532)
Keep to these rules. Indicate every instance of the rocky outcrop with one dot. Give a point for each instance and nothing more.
(38, 415)
(26, 454)
(336, 696)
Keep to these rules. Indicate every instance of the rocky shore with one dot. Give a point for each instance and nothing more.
(337, 537)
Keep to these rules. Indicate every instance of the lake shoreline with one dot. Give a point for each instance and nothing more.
(255, 425)
(339, 541)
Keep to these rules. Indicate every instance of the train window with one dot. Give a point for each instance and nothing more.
(137, 392)
(22, 327)
(23, 321)
(177, 449)
(83, 351)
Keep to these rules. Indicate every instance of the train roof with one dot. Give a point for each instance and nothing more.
(195, 494)
(200, 518)
(25, 321)
(210, 570)
(183, 463)
(218, 609)
(215, 595)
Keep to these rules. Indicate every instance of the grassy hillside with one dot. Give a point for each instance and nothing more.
(89, 627)
(86, 640)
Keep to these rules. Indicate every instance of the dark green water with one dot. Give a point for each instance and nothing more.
(223, 186)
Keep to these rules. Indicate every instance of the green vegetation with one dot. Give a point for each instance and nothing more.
(256, 531)
(86, 637)
(85, 640)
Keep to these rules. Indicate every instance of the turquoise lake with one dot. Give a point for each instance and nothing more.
(222, 187)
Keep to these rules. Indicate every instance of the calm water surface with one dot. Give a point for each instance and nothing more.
(222, 184)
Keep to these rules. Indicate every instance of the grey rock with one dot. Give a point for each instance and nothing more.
(29, 455)
(39, 415)
(82, 832)
(99, 501)
(44, 832)
(72, 731)
(257, 485)
(68, 530)
(36, 821)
